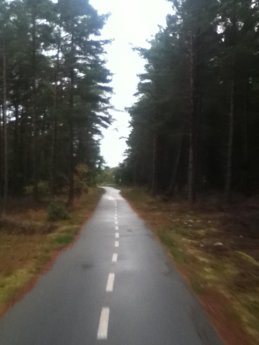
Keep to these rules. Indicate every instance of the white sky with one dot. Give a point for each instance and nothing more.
(131, 23)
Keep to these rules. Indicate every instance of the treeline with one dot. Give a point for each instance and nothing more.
(54, 95)
(195, 126)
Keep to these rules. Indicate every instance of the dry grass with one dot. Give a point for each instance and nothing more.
(217, 250)
(28, 241)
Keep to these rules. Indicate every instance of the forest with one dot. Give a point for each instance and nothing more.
(195, 123)
(54, 96)
(190, 170)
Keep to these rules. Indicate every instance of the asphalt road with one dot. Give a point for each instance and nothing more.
(115, 286)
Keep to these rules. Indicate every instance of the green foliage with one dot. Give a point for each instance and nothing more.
(58, 93)
(171, 243)
(43, 189)
(57, 211)
(200, 68)
(107, 176)
(81, 179)
(62, 240)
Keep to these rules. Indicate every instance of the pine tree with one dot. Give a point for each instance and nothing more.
(199, 95)
(57, 94)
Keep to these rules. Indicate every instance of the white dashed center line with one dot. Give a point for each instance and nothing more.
(102, 333)
(110, 282)
(115, 257)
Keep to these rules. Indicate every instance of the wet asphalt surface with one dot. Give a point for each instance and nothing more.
(115, 286)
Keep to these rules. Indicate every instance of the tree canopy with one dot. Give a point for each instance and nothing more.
(195, 124)
(54, 94)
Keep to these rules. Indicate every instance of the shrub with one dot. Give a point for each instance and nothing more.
(81, 179)
(57, 211)
(43, 189)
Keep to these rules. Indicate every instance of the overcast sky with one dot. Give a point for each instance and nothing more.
(131, 23)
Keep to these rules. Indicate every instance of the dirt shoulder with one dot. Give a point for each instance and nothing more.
(216, 249)
(30, 243)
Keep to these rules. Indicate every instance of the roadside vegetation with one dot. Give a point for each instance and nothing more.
(32, 234)
(216, 248)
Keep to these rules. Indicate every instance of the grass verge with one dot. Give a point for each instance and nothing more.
(29, 241)
(217, 251)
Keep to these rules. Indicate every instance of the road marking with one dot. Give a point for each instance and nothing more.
(102, 333)
(116, 244)
(117, 235)
(116, 222)
(115, 257)
(110, 282)
(116, 228)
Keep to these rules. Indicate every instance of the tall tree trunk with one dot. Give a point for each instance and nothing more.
(26, 140)
(71, 192)
(191, 171)
(228, 182)
(135, 172)
(55, 125)
(154, 165)
(245, 142)
(229, 171)
(192, 121)
(34, 111)
(1, 154)
(5, 139)
(16, 163)
(172, 186)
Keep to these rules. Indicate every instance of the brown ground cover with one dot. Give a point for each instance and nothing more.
(216, 249)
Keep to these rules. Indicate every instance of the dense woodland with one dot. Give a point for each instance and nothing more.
(195, 126)
(54, 96)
